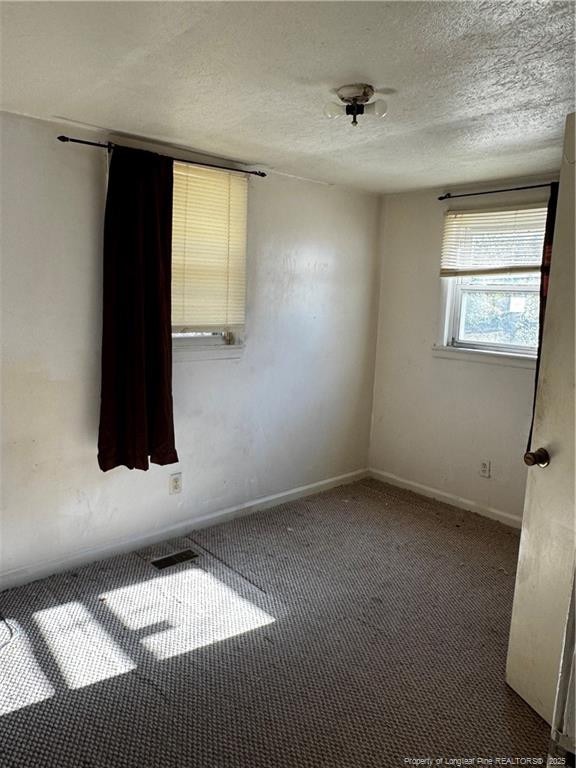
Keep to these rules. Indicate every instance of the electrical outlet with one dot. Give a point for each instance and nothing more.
(175, 483)
(485, 468)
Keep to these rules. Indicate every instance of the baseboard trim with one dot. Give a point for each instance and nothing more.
(456, 501)
(25, 574)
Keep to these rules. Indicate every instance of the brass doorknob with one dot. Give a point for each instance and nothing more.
(540, 457)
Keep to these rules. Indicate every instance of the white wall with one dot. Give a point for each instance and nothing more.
(293, 410)
(435, 418)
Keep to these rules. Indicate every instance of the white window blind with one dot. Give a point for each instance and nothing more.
(490, 242)
(208, 249)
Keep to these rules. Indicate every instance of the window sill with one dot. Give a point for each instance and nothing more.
(484, 356)
(188, 351)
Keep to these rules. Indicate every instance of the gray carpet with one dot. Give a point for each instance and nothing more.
(351, 629)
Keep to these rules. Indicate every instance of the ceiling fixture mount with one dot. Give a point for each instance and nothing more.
(355, 100)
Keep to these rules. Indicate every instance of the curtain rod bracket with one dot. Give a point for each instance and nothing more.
(110, 146)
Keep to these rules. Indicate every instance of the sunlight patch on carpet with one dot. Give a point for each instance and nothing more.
(198, 609)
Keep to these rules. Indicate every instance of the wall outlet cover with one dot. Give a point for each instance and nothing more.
(485, 468)
(175, 483)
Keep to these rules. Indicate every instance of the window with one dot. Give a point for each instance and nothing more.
(491, 265)
(208, 254)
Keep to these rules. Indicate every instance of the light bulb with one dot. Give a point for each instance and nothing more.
(376, 108)
(334, 110)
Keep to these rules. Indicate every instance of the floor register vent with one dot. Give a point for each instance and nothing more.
(177, 557)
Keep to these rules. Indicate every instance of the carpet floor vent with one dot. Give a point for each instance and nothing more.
(177, 557)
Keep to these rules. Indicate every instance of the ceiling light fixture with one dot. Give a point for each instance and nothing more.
(355, 101)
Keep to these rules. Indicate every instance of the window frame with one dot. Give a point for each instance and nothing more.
(214, 343)
(451, 300)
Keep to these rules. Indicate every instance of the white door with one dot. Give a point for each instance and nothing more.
(546, 560)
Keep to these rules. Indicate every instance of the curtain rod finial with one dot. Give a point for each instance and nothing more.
(63, 138)
(445, 196)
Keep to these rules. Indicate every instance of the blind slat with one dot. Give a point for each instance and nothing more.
(491, 242)
(208, 248)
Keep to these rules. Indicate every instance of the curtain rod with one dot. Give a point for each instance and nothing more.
(449, 196)
(109, 146)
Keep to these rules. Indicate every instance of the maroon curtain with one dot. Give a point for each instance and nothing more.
(136, 417)
(544, 279)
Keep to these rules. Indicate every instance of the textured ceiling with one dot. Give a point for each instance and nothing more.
(477, 90)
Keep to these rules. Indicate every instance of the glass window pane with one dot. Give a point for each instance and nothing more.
(498, 316)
